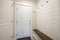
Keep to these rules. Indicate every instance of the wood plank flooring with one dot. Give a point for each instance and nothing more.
(42, 35)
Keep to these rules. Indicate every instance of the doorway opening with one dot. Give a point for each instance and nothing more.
(23, 17)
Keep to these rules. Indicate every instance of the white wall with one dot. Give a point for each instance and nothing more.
(33, 3)
(48, 18)
(6, 15)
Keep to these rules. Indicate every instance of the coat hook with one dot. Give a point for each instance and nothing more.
(42, 5)
(46, 1)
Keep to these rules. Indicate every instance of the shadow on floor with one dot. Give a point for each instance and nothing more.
(26, 38)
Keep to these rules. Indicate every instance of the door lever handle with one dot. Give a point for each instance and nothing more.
(16, 21)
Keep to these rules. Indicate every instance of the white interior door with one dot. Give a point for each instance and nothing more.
(23, 21)
(6, 17)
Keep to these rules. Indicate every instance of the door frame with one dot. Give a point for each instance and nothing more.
(14, 17)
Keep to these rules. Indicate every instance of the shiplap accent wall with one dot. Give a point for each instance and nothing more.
(48, 18)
